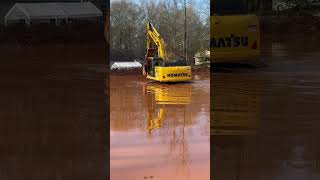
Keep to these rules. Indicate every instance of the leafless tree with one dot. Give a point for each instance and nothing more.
(129, 19)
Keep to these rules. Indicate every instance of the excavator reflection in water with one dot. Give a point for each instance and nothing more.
(235, 115)
(235, 106)
(163, 96)
(160, 100)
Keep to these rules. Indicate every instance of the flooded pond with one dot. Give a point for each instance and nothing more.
(53, 112)
(265, 121)
(159, 131)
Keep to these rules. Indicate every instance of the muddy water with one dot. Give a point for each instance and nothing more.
(265, 121)
(53, 112)
(159, 131)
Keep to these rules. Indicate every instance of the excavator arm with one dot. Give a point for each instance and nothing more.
(154, 36)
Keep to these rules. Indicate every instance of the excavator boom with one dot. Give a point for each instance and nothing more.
(154, 36)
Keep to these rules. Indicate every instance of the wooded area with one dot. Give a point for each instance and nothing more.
(128, 21)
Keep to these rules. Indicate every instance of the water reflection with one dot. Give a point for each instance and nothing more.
(235, 116)
(160, 131)
(52, 111)
(265, 121)
(162, 98)
(235, 105)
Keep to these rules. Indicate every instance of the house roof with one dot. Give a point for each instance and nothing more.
(52, 10)
(125, 65)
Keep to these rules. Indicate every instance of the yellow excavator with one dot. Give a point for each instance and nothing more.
(157, 66)
(235, 34)
(160, 96)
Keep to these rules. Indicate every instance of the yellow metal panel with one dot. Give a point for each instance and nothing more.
(172, 74)
(233, 38)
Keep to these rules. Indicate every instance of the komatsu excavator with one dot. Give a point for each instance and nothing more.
(235, 33)
(157, 66)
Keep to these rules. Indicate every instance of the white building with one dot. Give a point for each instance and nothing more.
(125, 65)
(49, 11)
(202, 57)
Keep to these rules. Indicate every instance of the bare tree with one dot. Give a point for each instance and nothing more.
(129, 20)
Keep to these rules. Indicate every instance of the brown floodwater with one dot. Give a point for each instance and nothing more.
(53, 111)
(159, 131)
(265, 122)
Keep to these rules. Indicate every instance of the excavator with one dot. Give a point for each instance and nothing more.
(235, 33)
(161, 96)
(157, 65)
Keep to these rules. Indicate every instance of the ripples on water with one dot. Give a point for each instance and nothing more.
(265, 121)
(159, 131)
(52, 112)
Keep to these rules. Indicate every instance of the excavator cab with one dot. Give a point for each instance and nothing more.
(157, 65)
